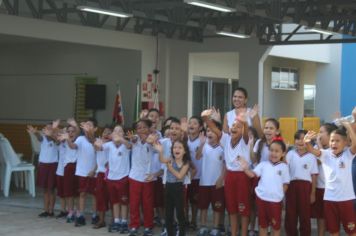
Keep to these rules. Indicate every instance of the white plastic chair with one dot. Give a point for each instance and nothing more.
(13, 164)
(36, 147)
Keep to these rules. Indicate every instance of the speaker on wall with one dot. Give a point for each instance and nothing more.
(95, 96)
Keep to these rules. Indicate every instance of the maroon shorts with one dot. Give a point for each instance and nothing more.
(340, 212)
(269, 213)
(317, 208)
(158, 193)
(118, 191)
(70, 185)
(101, 193)
(46, 175)
(193, 191)
(60, 186)
(210, 194)
(237, 193)
(87, 185)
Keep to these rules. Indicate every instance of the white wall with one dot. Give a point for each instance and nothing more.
(315, 52)
(27, 95)
(278, 103)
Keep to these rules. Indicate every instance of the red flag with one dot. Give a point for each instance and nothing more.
(117, 115)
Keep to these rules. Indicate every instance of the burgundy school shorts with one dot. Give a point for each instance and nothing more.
(158, 192)
(87, 185)
(317, 208)
(118, 191)
(269, 213)
(101, 193)
(237, 193)
(70, 185)
(340, 212)
(193, 191)
(211, 195)
(46, 175)
(60, 186)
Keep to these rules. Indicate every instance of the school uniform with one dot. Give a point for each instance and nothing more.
(70, 180)
(264, 157)
(237, 183)
(119, 169)
(193, 188)
(48, 161)
(212, 164)
(60, 170)
(86, 161)
(101, 191)
(301, 169)
(339, 193)
(140, 190)
(270, 193)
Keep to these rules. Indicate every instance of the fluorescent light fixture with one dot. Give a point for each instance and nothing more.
(320, 31)
(236, 35)
(212, 6)
(104, 11)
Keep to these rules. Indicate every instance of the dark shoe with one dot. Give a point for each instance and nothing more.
(203, 231)
(147, 232)
(70, 219)
(99, 225)
(43, 214)
(114, 227)
(193, 226)
(50, 214)
(124, 228)
(80, 221)
(133, 232)
(94, 220)
(157, 221)
(62, 214)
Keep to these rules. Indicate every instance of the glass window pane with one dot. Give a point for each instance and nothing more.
(200, 96)
(220, 98)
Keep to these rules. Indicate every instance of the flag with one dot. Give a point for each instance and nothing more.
(117, 114)
(137, 108)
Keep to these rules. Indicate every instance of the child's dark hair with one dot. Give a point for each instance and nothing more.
(93, 121)
(199, 119)
(281, 144)
(168, 119)
(217, 124)
(153, 110)
(186, 156)
(263, 139)
(329, 127)
(174, 120)
(340, 131)
(242, 90)
(254, 132)
(163, 130)
(147, 122)
(299, 134)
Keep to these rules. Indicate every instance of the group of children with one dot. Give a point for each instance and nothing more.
(149, 177)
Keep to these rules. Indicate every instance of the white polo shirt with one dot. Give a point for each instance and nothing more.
(231, 117)
(212, 164)
(273, 176)
(338, 175)
(61, 157)
(301, 167)
(232, 152)
(71, 155)
(193, 148)
(101, 160)
(141, 160)
(119, 160)
(49, 151)
(264, 152)
(86, 159)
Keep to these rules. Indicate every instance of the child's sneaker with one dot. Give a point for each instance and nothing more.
(70, 219)
(147, 232)
(94, 219)
(80, 221)
(114, 227)
(124, 228)
(215, 232)
(221, 228)
(164, 231)
(43, 214)
(203, 231)
(133, 232)
(157, 221)
(193, 226)
(61, 214)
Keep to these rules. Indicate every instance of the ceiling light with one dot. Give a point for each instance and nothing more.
(320, 31)
(104, 11)
(236, 35)
(212, 6)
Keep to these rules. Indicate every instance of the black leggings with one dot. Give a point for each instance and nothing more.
(174, 199)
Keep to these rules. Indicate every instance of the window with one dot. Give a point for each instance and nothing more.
(284, 78)
(309, 100)
(208, 92)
